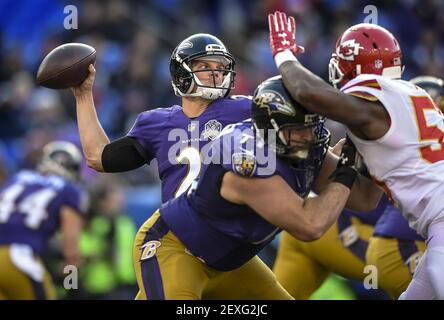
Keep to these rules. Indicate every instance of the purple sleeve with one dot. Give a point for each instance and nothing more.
(243, 106)
(143, 131)
(241, 154)
(76, 198)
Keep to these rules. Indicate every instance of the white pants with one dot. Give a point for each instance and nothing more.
(428, 279)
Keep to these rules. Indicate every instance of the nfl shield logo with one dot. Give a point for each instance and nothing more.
(243, 164)
(212, 129)
(192, 126)
(378, 63)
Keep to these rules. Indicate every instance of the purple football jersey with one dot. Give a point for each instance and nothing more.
(393, 225)
(176, 141)
(30, 204)
(224, 234)
(370, 217)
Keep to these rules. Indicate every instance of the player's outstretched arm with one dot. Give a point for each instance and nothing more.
(314, 93)
(320, 97)
(92, 135)
(276, 202)
(101, 154)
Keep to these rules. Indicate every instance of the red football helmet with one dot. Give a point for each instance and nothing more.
(365, 48)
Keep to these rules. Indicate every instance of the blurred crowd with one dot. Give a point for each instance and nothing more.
(134, 40)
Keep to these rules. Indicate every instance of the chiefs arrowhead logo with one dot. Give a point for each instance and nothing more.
(348, 49)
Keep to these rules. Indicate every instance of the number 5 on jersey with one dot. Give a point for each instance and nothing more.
(430, 122)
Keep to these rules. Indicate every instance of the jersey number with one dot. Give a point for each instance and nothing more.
(33, 206)
(191, 156)
(431, 128)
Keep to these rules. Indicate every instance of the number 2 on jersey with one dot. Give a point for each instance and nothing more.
(192, 156)
(431, 128)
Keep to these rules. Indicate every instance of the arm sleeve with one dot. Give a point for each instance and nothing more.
(145, 131)
(76, 198)
(124, 154)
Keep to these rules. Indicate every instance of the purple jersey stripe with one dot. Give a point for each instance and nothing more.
(39, 290)
(152, 279)
(407, 248)
(359, 246)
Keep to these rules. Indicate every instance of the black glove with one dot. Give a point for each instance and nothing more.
(362, 169)
(345, 172)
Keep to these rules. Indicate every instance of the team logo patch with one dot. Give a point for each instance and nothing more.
(149, 249)
(243, 164)
(212, 129)
(378, 63)
(185, 45)
(273, 102)
(348, 49)
(349, 236)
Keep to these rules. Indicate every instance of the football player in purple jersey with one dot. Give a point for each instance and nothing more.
(33, 205)
(202, 73)
(204, 243)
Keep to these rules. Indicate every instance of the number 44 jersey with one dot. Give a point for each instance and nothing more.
(178, 142)
(408, 161)
(30, 206)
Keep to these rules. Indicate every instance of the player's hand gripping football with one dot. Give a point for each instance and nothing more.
(86, 86)
(282, 33)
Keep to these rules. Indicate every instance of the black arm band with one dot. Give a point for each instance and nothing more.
(123, 154)
(345, 175)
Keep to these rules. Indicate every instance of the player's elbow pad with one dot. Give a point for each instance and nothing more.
(123, 154)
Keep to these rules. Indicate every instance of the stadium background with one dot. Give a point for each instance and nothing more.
(134, 40)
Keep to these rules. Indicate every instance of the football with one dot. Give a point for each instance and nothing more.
(66, 66)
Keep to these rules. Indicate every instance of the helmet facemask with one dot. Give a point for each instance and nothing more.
(276, 115)
(301, 149)
(292, 148)
(311, 151)
(193, 83)
(335, 75)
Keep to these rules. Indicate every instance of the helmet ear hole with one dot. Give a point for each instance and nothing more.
(181, 77)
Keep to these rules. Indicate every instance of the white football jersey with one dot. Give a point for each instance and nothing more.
(408, 160)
